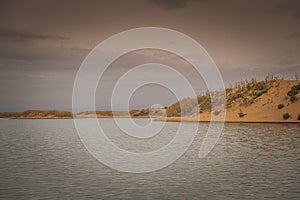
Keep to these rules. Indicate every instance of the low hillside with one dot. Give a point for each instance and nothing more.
(264, 101)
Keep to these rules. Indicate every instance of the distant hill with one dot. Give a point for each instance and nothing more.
(40, 114)
(57, 114)
(143, 113)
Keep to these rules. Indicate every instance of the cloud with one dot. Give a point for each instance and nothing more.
(286, 62)
(24, 35)
(294, 35)
(291, 7)
(175, 3)
(80, 49)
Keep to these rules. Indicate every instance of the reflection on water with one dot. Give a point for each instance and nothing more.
(44, 159)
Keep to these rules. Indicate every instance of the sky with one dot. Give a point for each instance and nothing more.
(43, 44)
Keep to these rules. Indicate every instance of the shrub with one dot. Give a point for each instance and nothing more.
(249, 87)
(228, 90)
(298, 117)
(172, 113)
(204, 103)
(174, 110)
(259, 93)
(280, 106)
(241, 114)
(237, 95)
(260, 86)
(286, 115)
(293, 99)
(256, 94)
(294, 90)
(106, 113)
(216, 112)
(187, 105)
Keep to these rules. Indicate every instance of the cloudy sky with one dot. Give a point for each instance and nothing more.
(43, 43)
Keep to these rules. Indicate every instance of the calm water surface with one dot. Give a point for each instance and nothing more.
(44, 159)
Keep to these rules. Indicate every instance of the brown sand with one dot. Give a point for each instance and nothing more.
(263, 109)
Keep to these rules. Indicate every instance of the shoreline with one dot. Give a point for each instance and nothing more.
(232, 121)
(174, 119)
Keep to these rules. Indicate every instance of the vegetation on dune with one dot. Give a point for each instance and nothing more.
(280, 106)
(216, 112)
(133, 113)
(298, 118)
(294, 98)
(189, 106)
(104, 113)
(241, 114)
(244, 93)
(204, 103)
(139, 113)
(172, 112)
(286, 115)
(293, 92)
(260, 88)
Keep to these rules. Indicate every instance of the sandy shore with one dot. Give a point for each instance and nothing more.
(203, 118)
(190, 119)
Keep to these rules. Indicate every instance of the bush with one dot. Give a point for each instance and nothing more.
(293, 99)
(259, 86)
(294, 90)
(172, 113)
(298, 117)
(216, 112)
(228, 90)
(204, 103)
(187, 105)
(286, 115)
(237, 95)
(259, 93)
(280, 106)
(241, 114)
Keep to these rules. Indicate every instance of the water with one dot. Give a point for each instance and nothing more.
(44, 159)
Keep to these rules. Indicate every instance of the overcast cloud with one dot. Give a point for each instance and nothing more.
(44, 42)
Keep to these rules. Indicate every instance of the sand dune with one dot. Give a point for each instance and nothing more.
(261, 109)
